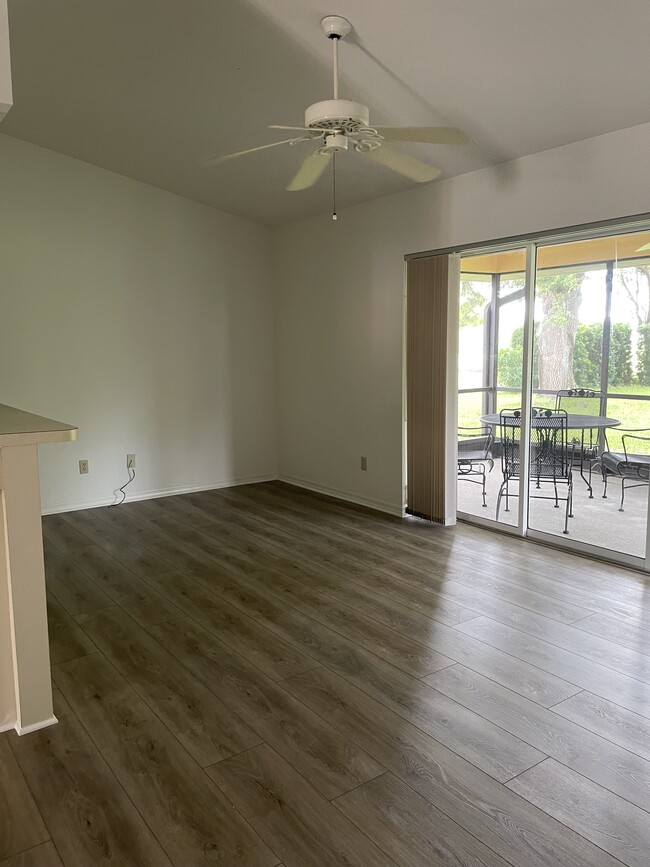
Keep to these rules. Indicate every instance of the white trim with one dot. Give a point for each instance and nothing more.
(34, 727)
(451, 390)
(488, 524)
(404, 491)
(527, 388)
(5, 727)
(646, 559)
(598, 229)
(57, 508)
(575, 546)
(349, 497)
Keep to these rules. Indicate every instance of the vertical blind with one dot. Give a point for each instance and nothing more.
(426, 385)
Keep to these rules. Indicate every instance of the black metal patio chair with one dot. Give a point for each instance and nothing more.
(630, 465)
(592, 441)
(551, 456)
(475, 455)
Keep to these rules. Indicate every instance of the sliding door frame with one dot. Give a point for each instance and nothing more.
(531, 244)
(527, 387)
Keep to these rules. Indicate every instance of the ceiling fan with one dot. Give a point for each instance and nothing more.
(336, 124)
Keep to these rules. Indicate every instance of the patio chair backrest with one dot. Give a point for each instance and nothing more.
(510, 437)
(636, 448)
(473, 441)
(581, 401)
(550, 456)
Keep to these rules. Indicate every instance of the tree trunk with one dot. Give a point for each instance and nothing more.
(555, 358)
(560, 298)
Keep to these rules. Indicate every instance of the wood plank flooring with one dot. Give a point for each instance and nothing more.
(263, 677)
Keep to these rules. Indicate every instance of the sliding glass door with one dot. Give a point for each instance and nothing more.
(554, 391)
(592, 308)
(490, 363)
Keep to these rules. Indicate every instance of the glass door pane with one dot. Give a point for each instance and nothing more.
(592, 308)
(490, 359)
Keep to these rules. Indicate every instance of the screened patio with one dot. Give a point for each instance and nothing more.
(592, 332)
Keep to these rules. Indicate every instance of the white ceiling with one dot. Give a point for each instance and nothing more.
(148, 87)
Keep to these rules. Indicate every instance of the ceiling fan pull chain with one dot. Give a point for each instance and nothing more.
(334, 214)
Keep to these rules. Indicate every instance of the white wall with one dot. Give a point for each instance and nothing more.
(147, 319)
(340, 304)
(6, 97)
(142, 317)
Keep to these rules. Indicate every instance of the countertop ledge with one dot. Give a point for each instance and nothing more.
(20, 428)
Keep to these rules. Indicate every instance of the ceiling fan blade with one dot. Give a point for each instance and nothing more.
(214, 160)
(425, 134)
(309, 172)
(303, 128)
(405, 164)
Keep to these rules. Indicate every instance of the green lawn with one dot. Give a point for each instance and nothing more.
(632, 414)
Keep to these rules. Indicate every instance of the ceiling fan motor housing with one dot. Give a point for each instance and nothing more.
(337, 114)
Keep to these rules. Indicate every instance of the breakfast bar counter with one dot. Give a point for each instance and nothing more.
(25, 681)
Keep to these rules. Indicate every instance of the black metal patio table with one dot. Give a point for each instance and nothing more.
(575, 421)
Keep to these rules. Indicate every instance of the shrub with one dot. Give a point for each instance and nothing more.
(587, 357)
(643, 368)
(511, 360)
(620, 354)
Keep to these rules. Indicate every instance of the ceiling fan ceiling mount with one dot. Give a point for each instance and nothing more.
(335, 27)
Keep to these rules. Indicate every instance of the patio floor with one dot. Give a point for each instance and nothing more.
(596, 521)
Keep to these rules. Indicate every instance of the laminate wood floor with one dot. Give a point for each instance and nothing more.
(262, 677)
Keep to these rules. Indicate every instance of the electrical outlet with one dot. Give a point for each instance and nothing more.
(364, 463)
(83, 467)
(130, 462)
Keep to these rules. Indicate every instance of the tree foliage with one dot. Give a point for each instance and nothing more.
(635, 283)
(472, 305)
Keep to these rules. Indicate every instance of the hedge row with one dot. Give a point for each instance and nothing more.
(587, 357)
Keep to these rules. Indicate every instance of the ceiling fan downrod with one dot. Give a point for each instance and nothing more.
(335, 28)
(335, 59)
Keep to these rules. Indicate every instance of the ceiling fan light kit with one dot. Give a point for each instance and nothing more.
(339, 122)
(333, 143)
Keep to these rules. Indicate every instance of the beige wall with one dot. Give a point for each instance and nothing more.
(340, 285)
(142, 317)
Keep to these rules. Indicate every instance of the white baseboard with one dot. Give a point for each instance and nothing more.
(378, 505)
(34, 727)
(5, 727)
(58, 508)
(347, 496)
